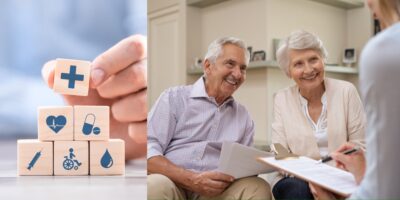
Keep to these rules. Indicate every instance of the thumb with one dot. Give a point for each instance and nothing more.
(48, 73)
(341, 158)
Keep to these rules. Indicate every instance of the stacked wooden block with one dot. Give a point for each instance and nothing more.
(72, 140)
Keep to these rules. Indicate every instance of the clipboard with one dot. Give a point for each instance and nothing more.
(323, 175)
(281, 152)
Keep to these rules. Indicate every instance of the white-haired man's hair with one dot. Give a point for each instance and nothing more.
(298, 40)
(215, 48)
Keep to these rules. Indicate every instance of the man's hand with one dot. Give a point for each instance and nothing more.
(119, 80)
(354, 163)
(210, 184)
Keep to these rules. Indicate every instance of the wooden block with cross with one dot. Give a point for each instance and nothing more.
(72, 77)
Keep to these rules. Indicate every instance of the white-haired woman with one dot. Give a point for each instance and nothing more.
(316, 115)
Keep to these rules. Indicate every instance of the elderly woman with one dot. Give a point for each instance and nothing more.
(315, 116)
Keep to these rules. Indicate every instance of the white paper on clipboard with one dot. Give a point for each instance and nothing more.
(328, 177)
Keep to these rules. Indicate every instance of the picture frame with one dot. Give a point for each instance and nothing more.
(276, 44)
(377, 26)
(349, 56)
(250, 49)
(258, 56)
(198, 62)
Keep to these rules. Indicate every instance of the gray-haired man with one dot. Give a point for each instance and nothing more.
(188, 124)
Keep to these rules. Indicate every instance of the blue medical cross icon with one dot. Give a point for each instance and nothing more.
(72, 77)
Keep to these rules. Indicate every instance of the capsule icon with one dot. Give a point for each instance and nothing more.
(88, 125)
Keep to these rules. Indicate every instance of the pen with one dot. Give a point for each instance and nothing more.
(347, 152)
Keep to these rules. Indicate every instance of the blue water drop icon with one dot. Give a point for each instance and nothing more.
(106, 161)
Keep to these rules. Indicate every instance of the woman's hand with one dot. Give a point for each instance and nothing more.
(353, 163)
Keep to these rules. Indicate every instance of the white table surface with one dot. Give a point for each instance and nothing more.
(132, 185)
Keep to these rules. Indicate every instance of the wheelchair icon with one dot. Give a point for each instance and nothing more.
(70, 162)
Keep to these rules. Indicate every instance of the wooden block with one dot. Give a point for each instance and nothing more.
(55, 123)
(107, 157)
(34, 157)
(72, 77)
(92, 122)
(71, 158)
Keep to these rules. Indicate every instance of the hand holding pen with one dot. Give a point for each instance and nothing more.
(353, 162)
(346, 152)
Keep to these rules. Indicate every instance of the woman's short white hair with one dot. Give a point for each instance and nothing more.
(298, 40)
(215, 48)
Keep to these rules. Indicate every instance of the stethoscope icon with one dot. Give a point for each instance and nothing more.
(89, 124)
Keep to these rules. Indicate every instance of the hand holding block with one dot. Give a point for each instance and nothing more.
(107, 157)
(55, 123)
(72, 77)
(35, 157)
(92, 122)
(71, 158)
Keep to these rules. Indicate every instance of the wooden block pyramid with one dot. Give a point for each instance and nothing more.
(72, 140)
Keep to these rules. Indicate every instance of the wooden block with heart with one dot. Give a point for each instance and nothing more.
(55, 123)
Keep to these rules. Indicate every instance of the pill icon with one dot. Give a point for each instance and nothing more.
(88, 125)
(96, 130)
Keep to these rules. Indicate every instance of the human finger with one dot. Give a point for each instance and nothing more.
(345, 146)
(221, 177)
(340, 166)
(320, 193)
(313, 190)
(217, 184)
(48, 72)
(117, 58)
(131, 108)
(129, 80)
(138, 131)
(342, 159)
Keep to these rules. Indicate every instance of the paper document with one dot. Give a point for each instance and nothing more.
(328, 177)
(241, 161)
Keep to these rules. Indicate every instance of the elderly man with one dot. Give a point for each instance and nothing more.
(188, 124)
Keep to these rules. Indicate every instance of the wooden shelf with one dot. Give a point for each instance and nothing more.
(203, 3)
(346, 4)
(328, 68)
(341, 69)
(194, 71)
(274, 64)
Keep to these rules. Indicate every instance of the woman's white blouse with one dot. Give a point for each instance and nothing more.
(320, 128)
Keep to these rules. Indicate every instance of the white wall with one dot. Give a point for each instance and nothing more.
(329, 23)
(359, 28)
(242, 19)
